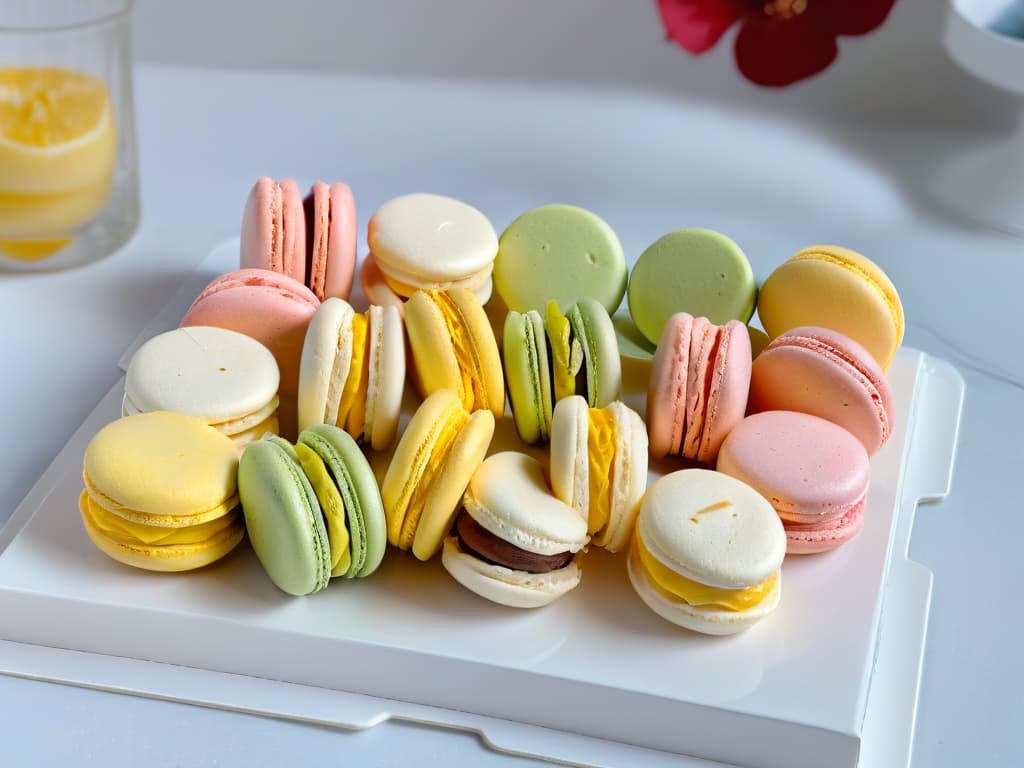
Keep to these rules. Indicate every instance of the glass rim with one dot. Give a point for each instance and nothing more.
(86, 22)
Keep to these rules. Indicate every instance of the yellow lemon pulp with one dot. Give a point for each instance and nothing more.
(695, 593)
(331, 504)
(58, 149)
(601, 453)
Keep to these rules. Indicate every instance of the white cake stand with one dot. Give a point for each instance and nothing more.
(988, 184)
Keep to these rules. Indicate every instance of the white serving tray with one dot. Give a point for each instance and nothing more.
(831, 678)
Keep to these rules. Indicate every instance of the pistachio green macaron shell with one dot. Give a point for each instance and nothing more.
(559, 252)
(593, 327)
(527, 375)
(282, 517)
(364, 509)
(692, 270)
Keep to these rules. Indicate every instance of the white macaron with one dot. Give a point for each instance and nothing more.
(613, 438)
(514, 542)
(707, 552)
(225, 378)
(352, 371)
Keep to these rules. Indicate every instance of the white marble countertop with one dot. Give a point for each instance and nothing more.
(648, 163)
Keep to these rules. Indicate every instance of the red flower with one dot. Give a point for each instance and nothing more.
(780, 41)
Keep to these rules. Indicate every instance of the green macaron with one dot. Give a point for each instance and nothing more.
(312, 510)
(575, 353)
(692, 270)
(559, 252)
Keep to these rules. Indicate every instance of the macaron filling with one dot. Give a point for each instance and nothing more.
(476, 540)
(332, 507)
(352, 407)
(474, 397)
(131, 533)
(696, 593)
(601, 456)
(566, 352)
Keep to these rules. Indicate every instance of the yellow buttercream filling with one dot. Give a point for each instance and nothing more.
(331, 504)
(128, 532)
(473, 397)
(566, 352)
(601, 454)
(352, 408)
(449, 426)
(695, 593)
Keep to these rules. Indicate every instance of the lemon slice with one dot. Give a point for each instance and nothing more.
(57, 131)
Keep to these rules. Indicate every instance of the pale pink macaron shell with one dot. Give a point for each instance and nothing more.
(814, 473)
(271, 308)
(827, 374)
(273, 235)
(331, 232)
(666, 389)
(727, 393)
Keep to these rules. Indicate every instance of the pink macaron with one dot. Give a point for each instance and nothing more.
(272, 308)
(312, 240)
(827, 374)
(698, 387)
(813, 472)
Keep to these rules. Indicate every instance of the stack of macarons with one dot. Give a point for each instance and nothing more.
(161, 492)
(225, 378)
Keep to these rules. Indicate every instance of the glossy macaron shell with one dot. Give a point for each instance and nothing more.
(283, 518)
(593, 327)
(215, 374)
(331, 233)
(693, 270)
(325, 362)
(426, 237)
(559, 252)
(386, 376)
(271, 308)
(273, 234)
(528, 374)
(822, 372)
(813, 472)
(833, 287)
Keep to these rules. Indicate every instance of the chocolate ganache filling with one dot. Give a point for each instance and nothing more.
(479, 542)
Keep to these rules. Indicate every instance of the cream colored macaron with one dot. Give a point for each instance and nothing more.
(225, 378)
(352, 371)
(432, 242)
(514, 542)
(599, 466)
(707, 552)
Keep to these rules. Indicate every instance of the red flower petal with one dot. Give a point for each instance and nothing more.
(698, 24)
(775, 52)
(855, 18)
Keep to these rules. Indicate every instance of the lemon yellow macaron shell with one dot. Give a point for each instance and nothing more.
(836, 288)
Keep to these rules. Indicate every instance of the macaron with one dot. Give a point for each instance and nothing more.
(225, 378)
(692, 270)
(453, 347)
(559, 252)
(311, 240)
(313, 510)
(436, 456)
(352, 371)
(824, 373)
(813, 472)
(272, 308)
(160, 492)
(698, 388)
(707, 552)
(432, 242)
(514, 543)
(599, 466)
(558, 356)
(377, 287)
(834, 287)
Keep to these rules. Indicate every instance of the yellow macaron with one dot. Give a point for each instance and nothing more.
(432, 465)
(161, 492)
(453, 347)
(834, 287)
